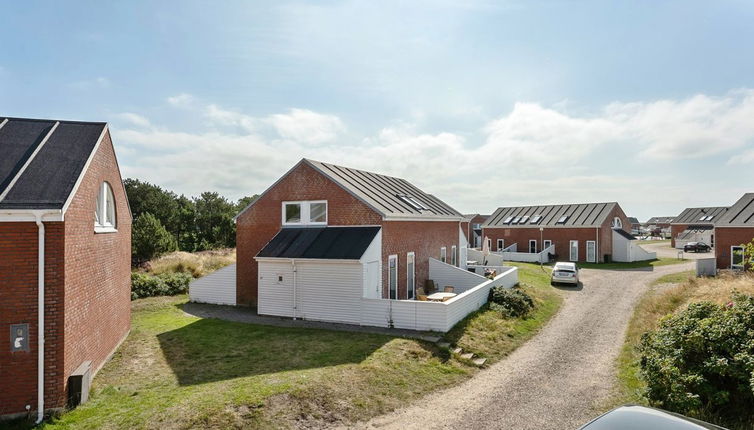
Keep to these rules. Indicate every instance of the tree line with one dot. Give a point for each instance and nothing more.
(165, 221)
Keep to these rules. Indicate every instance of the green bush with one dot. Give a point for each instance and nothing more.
(166, 284)
(511, 302)
(700, 362)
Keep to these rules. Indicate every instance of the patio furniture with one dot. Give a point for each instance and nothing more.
(421, 297)
(429, 286)
(420, 292)
(448, 289)
(440, 297)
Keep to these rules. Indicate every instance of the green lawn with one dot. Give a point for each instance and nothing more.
(633, 265)
(675, 278)
(179, 371)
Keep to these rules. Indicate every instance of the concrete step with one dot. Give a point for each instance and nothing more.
(479, 361)
(467, 356)
(457, 350)
(443, 345)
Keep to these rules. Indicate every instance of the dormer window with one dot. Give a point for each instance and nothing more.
(305, 213)
(104, 211)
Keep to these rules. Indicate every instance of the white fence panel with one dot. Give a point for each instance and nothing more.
(219, 287)
(445, 274)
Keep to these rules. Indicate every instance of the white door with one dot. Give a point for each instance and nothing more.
(372, 288)
(591, 251)
(573, 253)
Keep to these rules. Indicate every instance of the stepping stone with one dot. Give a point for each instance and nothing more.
(479, 361)
(457, 350)
(467, 356)
(431, 339)
(443, 345)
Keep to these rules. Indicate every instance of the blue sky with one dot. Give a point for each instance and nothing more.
(485, 104)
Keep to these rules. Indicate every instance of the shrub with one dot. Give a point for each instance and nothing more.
(167, 284)
(701, 361)
(511, 302)
(149, 239)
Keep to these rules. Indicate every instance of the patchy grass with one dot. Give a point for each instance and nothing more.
(633, 265)
(648, 242)
(489, 335)
(670, 294)
(197, 264)
(176, 371)
(675, 278)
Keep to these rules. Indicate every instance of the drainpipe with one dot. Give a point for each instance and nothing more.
(597, 245)
(293, 264)
(40, 318)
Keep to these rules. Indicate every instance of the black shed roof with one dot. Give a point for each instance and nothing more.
(741, 214)
(42, 160)
(338, 243)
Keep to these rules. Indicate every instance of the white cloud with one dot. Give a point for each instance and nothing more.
(181, 100)
(306, 126)
(223, 117)
(745, 157)
(133, 119)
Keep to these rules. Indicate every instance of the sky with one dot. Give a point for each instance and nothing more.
(483, 104)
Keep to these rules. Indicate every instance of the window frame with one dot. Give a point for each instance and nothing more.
(546, 243)
(743, 257)
(500, 244)
(305, 212)
(444, 254)
(392, 293)
(410, 275)
(594, 259)
(617, 222)
(454, 256)
(571, 249)
(532, 241)
(104, 202)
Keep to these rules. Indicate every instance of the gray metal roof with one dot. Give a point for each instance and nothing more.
(42, 160)
(576, 215)
(633, 220)
(661, 220)
(708, 215)
(391, 197)
(741, 214)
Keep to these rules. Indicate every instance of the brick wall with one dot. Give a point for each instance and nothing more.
(259, 224)
(424, 239)
(18, 304)
(675, 230)
(98, 269)
(725, 237)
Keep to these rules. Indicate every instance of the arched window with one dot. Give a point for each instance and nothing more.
(104, 212)
(617, 223)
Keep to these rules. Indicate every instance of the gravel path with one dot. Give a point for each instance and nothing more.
(558, 379)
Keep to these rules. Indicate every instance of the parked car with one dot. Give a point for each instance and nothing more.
(696, 247)
(633, 417)
(564, 273)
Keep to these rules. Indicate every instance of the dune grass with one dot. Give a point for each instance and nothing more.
(669, 294)
(179, 371)
(197, 264)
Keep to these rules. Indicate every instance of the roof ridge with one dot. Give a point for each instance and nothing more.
(62, 121)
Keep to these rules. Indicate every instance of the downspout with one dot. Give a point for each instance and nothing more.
(597, 245)
(40, 318)
(293, 264)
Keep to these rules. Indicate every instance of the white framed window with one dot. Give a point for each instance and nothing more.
(105, 220)
(444, 254)
(591, 251)
(532, 246)
(736, 257)
(500, 244)
(617, 223)
(454, 255)
(489, 243)
(573, 250)
(410, 275)
(546, 244)
(305, 213)
(392, 276)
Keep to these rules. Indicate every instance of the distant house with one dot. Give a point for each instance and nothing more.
(65, 259)
(586, 232)
(659, 225)
(635, 225)
(474, 228)
(695, 225)
(734, 229)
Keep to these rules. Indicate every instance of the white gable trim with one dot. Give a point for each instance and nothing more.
(31, 158)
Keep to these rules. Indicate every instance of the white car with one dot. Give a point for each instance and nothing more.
(564, 273)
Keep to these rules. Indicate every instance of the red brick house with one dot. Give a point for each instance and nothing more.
(334, 216)
(734, 229)
(695, 225)
(65, 245)
(588, 232)
(473, 228)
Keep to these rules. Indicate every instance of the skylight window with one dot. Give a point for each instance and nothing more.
(704, 217)
(535, 219)
(413, 202)
(515, 220)
(709, 217)
(524, 219)
(508, 220)
(562, 219)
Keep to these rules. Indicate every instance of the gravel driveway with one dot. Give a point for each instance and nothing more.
(557, 380)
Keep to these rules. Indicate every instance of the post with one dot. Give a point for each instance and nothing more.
(542, 244)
